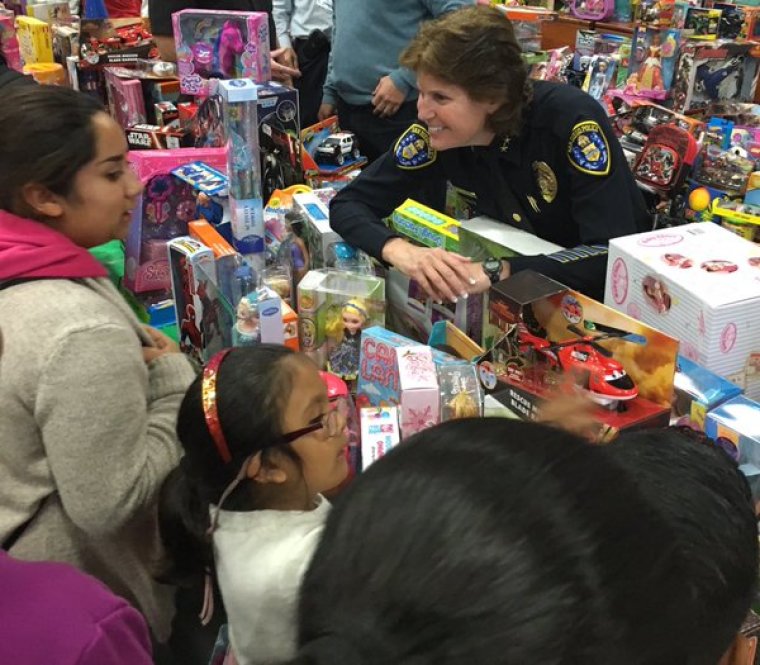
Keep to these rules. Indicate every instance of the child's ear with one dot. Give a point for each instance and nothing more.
(266, 472)
(41, 201)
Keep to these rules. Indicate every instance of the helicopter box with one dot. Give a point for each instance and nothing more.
(699, 283)
(555, 340)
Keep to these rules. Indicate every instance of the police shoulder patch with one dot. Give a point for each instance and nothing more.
(413, 149)
(588, 149)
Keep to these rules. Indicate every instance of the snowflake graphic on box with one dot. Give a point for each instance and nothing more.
(416, 421)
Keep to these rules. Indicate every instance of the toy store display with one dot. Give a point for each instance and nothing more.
(698, 282)
(557, 340)
(735, 427)
(221, 45)
(243, 168)
(334, 307)
(696, 391)
(163, 211)
(379, 432)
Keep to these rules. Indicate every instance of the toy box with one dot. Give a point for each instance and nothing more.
(460, 391)
(192, 272)
(317, 232)
(155, 137)
(380, 382)
(165, 207)
(735, 428)
(211, 188)
(222, 45)
(557, 340)
(243, 168)
(125, 99)
(279, 137)
(600, 76)
(262, 316)
(418, 388)
(35, 40)
(379, 432)
(9, 46)
(333, 308)
(654, 54)
(696, 391)
(226, 259)
(699, 283)
(722, 70)
(426, 226)
(328, 151)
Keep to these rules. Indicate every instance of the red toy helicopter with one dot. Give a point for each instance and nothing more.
(591, 366)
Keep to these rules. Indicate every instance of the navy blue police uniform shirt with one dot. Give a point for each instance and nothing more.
(563, 178)
(160, 12)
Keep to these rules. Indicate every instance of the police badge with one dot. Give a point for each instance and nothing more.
(588, 150)
(546, 180)
(413, 149)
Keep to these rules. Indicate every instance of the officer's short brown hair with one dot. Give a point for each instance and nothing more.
(475, 48)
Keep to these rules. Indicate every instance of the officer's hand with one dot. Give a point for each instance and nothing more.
(325, 111)
(387, 98)
(444, 276)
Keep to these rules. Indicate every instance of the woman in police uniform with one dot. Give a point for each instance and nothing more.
(536, 155)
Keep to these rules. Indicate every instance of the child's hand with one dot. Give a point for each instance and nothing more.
(161, 345)
(572, 413)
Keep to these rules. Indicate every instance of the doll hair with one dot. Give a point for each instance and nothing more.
(334, 325)
(476, 49)
(252, 388)
(700, 491)
(47, 137)
(488, 540)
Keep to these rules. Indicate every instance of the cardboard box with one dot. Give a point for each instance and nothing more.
(155, 137)
(317, 232)
(558, 340)
(697, 391)
(191, 265)
(379, 432)
(380, 371)
(35, 40)
(735, 427)
(163, 211)
(418, 387)
(322, 297)
(241, 51)
(699, 283)
(426, 226)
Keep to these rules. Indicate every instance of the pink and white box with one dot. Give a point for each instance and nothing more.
(419, 405)
(701, 284)
(379, 432)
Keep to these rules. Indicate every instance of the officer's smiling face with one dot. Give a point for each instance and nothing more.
(453, 118)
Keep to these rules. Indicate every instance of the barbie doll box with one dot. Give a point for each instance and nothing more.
(388, 371)
(213, 44)
(699, 283)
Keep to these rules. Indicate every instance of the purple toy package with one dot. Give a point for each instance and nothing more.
(220, 45)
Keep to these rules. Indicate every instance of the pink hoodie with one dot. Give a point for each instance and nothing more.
(29, 249)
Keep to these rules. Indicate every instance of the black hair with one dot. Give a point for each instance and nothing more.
(252, 387)
(488, 541)
(700, 491)
(47, 137)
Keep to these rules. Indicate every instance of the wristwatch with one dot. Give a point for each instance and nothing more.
(492, 267)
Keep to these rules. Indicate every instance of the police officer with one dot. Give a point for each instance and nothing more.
(539, 156)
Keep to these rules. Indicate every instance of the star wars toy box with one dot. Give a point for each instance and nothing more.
(701, 284)
(379, 432)
(191, 265)
(392, 370)
(426, 226)
(212, 44)
(163, 211)
(329, 151)
(708, 72)
(735, 428)
(555, 340)
(696, 391)
(326, 299)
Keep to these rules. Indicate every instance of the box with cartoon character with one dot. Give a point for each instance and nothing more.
(555, 340)
(699, 283)
(334, 307)
(718, 71)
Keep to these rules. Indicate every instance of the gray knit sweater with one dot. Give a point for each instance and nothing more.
(87, 429)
